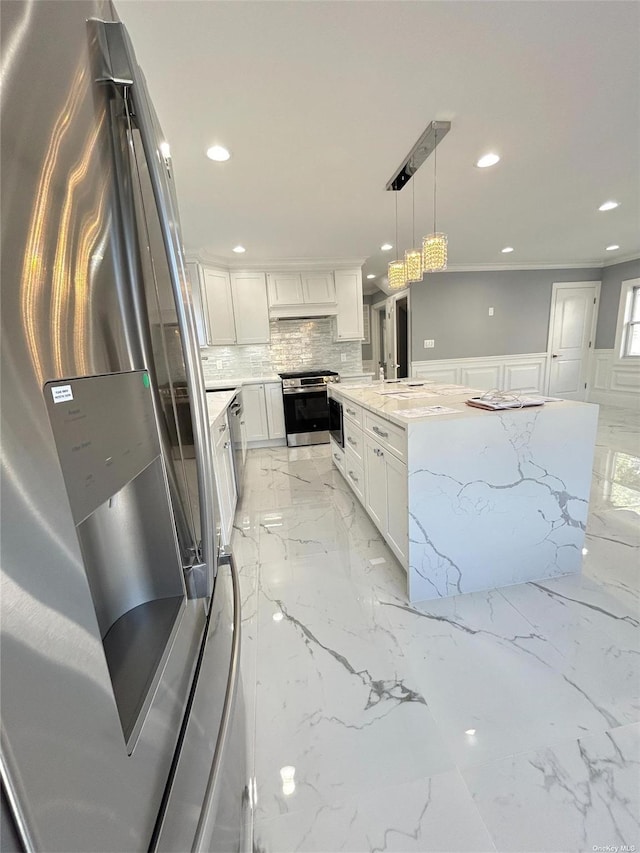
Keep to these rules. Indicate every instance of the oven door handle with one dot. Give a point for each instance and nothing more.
(287, 391)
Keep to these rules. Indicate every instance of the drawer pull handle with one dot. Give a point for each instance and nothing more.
(353, 476)
(378, 452)
(222, 428)
(351, 441)
(336, 457)
(351, 412)
(380, 432)
(226, 445)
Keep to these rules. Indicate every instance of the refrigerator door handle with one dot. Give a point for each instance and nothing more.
(207, 814)
(122, 60)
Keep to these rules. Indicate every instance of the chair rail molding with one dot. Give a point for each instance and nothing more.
(522, 372)
(614, 381)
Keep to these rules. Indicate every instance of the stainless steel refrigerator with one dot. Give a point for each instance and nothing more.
(122, 719)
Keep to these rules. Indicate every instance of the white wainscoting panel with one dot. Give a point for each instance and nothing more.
(614, 381)
(522, 372)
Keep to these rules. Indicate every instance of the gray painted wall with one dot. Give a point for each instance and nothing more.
(453, 309)
(369, 299)
(612, 277)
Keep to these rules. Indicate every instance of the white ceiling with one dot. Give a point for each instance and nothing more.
(319, 102)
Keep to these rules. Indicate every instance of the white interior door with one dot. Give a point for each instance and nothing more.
(571, 333)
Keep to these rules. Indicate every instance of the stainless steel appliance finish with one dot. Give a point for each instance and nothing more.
(93, 286)
(306, 409)
(336, 429)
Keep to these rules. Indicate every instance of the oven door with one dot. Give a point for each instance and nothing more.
(335, 421)
(306, 416)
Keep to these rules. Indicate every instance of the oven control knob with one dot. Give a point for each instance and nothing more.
(287, 382)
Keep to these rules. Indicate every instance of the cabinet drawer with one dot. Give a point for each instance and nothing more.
(352, 411)
(353, 439)
(354, 473)
(387, 434)
(337, 454)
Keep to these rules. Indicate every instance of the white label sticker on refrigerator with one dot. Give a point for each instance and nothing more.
(62, 393)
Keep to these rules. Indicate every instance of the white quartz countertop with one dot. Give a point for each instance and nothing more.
(217, 402)
(416, 396)
(238, 382)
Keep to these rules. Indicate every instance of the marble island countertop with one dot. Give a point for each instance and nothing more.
(217, 403)
(391, 400)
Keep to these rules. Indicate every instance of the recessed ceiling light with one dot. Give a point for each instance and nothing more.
(612, 247)
(371, 275)
(487, 160)
(239, 249)
(218, 153)
(470, 732)
(386, 247)
(609, 205)
(165, 150)
(506, 250)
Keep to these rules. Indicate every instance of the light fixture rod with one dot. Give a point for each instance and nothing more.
(433, 135)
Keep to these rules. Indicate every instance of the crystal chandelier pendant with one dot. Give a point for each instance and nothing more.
(396, 274)
(434, 252)
(413, 264)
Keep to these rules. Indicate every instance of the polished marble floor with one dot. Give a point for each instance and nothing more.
(505, 720)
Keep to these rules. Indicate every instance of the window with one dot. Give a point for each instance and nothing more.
(628, 331)
(632, 332)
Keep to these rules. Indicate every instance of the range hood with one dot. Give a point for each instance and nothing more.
(302, 312)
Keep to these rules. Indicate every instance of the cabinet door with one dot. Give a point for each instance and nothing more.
(224, 478)
(285, 289)
(349, 321)
(250, 307)
(397, 513)
(199, 299)
(319, 288)
(275, 410)
(255, 412)
(217, 287)
(375, 478)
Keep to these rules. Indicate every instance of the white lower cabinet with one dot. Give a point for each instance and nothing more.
(337, 454)
(263, 411)
(376, 475)
(354, 472)
(397, 507)
(376, 479)
(275, 409)
(224, 477)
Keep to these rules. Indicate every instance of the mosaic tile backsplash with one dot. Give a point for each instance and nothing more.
(295, 345)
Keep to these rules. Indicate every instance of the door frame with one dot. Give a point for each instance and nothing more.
(388, 305)
(556, 287)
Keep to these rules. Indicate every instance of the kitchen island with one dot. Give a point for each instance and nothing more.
(468, 499)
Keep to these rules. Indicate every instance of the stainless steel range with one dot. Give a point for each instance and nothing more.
(306, 410)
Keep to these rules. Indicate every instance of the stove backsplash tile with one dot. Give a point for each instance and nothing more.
(295, 345)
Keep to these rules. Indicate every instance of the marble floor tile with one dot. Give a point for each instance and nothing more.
(434, 814)
(579, 795)
(498, 720)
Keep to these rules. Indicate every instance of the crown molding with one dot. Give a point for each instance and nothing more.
(620, 260)
(277, 264)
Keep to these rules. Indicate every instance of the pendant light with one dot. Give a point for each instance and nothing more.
(396, 270)
(434, 245)
(413, 257)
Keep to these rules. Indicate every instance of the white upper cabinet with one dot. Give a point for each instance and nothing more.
(349, 322)
(220, 315)
(319, 288)
(251, 309)
(199, 300)
(285, 289)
